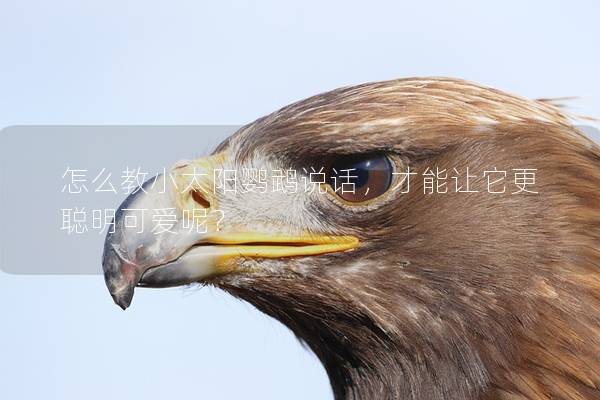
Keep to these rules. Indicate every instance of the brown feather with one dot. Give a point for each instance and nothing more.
(460, 296)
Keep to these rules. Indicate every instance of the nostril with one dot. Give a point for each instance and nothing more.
(200, 199)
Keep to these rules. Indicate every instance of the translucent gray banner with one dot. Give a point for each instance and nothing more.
(37, 167)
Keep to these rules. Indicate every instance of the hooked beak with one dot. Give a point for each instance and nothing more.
(190, 250)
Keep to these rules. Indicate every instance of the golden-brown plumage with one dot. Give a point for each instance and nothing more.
(515, 279)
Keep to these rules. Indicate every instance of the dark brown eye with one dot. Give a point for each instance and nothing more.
(358, 178)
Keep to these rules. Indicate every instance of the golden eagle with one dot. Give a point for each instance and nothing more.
(402, 294)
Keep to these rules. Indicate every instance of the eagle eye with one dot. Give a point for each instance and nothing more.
(358, 178)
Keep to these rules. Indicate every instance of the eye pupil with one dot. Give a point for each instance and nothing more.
(358, 178)
(362, 177)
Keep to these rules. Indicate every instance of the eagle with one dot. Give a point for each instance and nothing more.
(403, 290)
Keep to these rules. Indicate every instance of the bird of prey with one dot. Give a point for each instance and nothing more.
(401, 294)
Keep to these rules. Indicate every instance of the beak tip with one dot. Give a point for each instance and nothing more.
(123, 298)
(120, 277)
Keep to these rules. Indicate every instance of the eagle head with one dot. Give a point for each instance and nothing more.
(466, 289)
